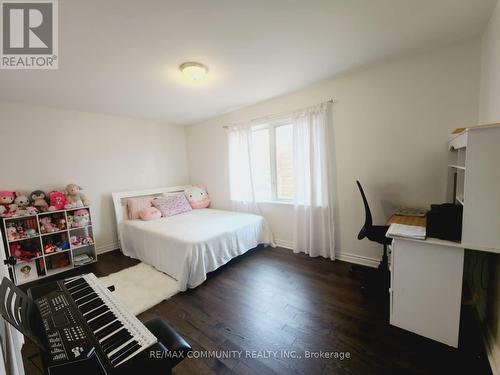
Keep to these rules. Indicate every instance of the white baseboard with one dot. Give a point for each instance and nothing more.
(343, 256)
(284, 243)
(357, 259)
(101, 249)
(492, 349)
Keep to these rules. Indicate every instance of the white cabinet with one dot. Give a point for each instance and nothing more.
(426, 288)
(475, 160)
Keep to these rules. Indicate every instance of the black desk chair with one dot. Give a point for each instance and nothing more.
(375, 233)
(374, 283)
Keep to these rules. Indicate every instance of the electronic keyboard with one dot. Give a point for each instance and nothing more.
(83, 322)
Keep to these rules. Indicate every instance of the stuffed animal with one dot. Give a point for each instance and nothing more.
(12, 233)
(197, 197)
(31, 210)
(20, 231)
(38, 200)
(81, 218)
(22, 202)
(30, 232)
(70, 221)
(6, 201)
(46, 225)
(61, 225)
(57, 201)
(77, 241)
(13, 209)
(88, 240)
(49, 248)
(62, 245)
(19, 253)
(75, 197)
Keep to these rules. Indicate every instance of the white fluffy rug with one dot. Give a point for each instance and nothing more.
(141, 287)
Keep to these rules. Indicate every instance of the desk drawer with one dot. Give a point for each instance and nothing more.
(426, 289)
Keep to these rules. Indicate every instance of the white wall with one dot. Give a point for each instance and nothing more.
(44, 148)
(391, 123)
(489, 100)
(489, 112)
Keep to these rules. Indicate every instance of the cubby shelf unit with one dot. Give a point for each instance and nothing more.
(45, 264)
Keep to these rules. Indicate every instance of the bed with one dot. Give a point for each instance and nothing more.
(189, 245)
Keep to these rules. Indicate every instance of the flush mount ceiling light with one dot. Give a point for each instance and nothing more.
(193, 70)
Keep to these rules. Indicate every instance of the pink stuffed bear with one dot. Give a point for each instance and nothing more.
(197, 197)
(57, 201)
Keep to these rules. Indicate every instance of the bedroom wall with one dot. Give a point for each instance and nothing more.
(391, 124)
(45, 148)
(489, 112)
(489, 99)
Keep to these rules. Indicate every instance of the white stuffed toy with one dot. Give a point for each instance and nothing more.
(75, 197)
(22, 201)
(197, 197)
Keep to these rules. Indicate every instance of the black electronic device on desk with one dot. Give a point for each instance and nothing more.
(79, 325)
(444, 221)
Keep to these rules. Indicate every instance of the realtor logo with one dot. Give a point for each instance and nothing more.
(29, 34)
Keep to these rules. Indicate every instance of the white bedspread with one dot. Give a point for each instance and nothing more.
(189, 245)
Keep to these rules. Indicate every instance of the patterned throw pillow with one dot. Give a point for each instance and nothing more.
(172, 205)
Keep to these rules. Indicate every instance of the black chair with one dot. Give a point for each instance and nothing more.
(375, 233)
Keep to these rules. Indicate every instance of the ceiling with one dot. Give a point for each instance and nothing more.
(121, 56)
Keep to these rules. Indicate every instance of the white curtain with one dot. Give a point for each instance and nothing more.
(241, 179)
(313, 227)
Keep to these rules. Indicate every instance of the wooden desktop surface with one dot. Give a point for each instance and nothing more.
(407, 220)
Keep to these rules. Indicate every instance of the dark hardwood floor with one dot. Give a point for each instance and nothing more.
(274, 300)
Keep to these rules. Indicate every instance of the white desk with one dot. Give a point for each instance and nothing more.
(426, 276)
(426, 285)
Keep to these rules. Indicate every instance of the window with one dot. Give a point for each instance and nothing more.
(261, 164)
(272, 162)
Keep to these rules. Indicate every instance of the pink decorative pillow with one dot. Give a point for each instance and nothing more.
(172, 205)
(150, 213)
(135, 205)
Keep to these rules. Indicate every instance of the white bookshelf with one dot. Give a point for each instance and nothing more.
(51, 252)
(474, 180)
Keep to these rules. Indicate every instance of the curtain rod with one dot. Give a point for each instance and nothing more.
(276, 115)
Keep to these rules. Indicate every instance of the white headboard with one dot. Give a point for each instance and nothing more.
(119, 197)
